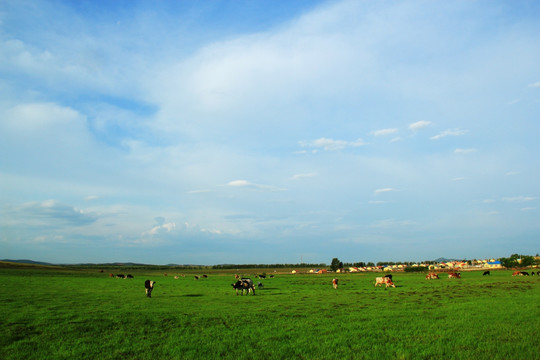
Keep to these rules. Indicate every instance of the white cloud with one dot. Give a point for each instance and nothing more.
(158, 229)
(449, 132)
(536, 84)
(384, 190)
(239, 183)
(200, 191)
(518, 199)
(384, 132)
(247, 184)
(331, 144)
(419, 125)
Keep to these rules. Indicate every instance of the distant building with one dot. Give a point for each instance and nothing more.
(494, 265)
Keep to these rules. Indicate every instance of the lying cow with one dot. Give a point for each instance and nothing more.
(149, 286)
(454, 275)
(384, 280)
(335, 283)
(520, 273)
(244, 285)
(432, 276)
(486, 273)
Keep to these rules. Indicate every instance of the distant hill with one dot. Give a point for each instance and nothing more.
(25, 261)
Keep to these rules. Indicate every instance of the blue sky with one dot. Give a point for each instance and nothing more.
(210, 132)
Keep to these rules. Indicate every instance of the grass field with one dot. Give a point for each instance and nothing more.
(83, 314)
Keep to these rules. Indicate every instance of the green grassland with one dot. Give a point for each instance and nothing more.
(56, 313)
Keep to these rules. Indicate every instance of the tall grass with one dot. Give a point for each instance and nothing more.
(56, 314)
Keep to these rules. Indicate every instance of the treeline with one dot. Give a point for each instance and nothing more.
(516, 260)
(387, 263)
(266, 266)
(131, 266)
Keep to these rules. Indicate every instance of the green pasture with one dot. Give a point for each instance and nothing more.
(84, 314)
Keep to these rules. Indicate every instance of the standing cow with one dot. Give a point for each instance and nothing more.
(384, 280)
(244, 285)
(149, 286)
(335, 283)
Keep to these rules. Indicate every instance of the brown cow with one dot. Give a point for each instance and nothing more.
(454, 275)
(432, 276)
(384, 280)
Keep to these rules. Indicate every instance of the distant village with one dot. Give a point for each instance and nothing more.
(454, 265)
(447, 265)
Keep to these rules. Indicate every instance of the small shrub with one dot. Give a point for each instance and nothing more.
(416, 269)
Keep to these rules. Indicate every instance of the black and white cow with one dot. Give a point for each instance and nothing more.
(149, 286)
(244, 285)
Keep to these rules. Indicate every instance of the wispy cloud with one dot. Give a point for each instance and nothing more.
(384, 190)
(250, 185)
(199, 191)
(331, 144)
(240, 183)
(303, 176)
(536, 84)
(449, 132)
(384, 132)
(518, 199)
(419, 125)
